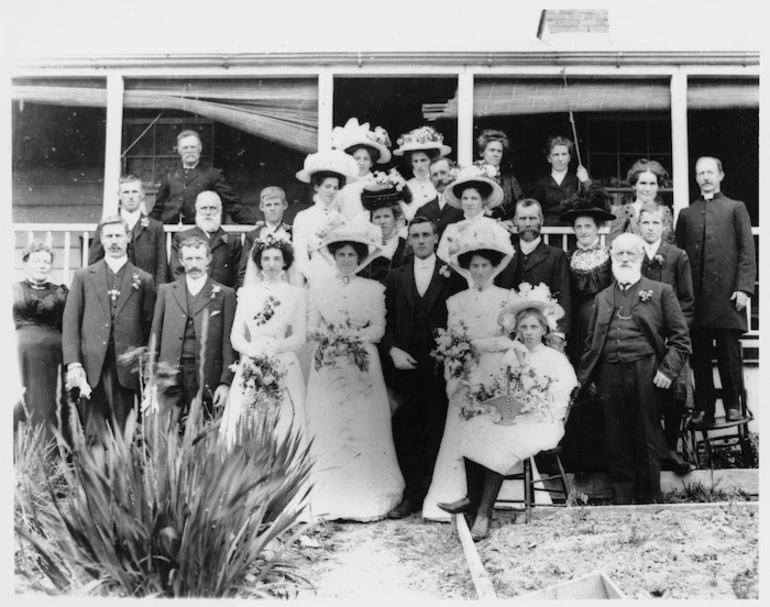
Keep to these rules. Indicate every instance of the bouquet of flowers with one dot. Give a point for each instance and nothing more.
(339, 344)
(487, 170)
(524, 390)
(455, 350)
(380, 180)
(263, 381)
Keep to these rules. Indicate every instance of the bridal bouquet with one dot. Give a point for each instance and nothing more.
(262, 377)
(338, 345)
(455, 350)
(525, 390)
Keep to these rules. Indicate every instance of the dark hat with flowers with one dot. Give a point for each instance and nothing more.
(595, 202)
(385, 190)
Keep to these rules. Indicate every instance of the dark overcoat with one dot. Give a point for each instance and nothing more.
(545, 264)
(146, 248)
(86, 324)
(175, 200)
(660, 318)
(674, 270)
(716, 235)
(168, 326)
(226, 251)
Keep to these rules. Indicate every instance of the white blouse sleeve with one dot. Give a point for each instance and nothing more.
(298, 322)
(301, 235)
(376, 329)
(313, 314)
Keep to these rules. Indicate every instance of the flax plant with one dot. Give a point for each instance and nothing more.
(147, 512)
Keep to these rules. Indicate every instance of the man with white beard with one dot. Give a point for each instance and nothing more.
(225, 248)
(636, 346)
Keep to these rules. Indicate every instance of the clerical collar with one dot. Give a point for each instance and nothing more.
(651, 249)
(558, 176)
(194, 285)
(528, 247)
(116, 263)
(428, 262)
(131, 217)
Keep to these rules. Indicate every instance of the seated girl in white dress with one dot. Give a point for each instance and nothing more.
(269, 327)
(355, 473)
(494, 438)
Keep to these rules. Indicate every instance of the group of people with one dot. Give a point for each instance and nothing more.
(419, 335)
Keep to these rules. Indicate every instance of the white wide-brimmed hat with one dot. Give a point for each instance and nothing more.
(339, 230)
(333, 161)
(422, 139)
(353, 135)
(481, 176)
(527, 296)
(470, 235)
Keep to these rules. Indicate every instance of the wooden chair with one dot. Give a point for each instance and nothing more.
(531, 485)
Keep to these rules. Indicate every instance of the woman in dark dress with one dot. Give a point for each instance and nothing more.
(38, 305)
(494, 148)
(383, 200)
(590, 273)
(557, 190)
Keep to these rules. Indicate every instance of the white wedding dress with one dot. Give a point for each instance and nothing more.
(355, 472)
(270, 319)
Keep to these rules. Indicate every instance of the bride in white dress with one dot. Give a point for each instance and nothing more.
(355, 473)
(270, 319)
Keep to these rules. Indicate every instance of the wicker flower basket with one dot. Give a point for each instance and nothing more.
(508, 406)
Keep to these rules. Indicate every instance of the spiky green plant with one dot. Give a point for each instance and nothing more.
(148, 513)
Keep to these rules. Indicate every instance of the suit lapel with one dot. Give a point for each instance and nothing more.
(217, 239)
(435, 286)
(98, 275)
(408, 284)
(205, 297)
(179, 291)
(126, 286)
(536, 257)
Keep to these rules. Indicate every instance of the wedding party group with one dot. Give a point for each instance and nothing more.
(418, 335)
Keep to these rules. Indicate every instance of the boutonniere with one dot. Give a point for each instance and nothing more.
(145, 222)
(224, 237)
(645, 295)
(214, 290)
(658, 260)
(444, 271)
(135, 282)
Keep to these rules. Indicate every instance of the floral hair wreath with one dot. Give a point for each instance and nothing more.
(272, 242)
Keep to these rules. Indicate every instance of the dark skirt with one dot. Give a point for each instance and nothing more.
(40, 364)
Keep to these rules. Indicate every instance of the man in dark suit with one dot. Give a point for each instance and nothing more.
(175, 200)
(715, 231)
(442, 173)
(272, 203)
(178, 332)
(636, 346)
(108, 313)
(147, 241)
(536, 262)
(668, 263)
(225, 248)
(415, 299)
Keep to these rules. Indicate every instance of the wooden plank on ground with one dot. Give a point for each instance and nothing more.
(481, 581)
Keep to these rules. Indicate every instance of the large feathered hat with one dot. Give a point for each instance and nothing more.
(527, 296)
(480, 176)
(594, 202)
(353, 135)
(339, 230)
(385, 190)
(332, 161)
(422, 139)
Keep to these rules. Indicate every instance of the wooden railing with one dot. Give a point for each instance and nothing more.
(70, 242)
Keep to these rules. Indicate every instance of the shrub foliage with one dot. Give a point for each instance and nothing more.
(147, 512)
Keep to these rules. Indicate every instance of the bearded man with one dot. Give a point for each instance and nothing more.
(637, 344)
(225, 248)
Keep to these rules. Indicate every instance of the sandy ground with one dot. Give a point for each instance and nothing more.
(707, 552)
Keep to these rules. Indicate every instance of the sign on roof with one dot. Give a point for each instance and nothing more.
(556, 24)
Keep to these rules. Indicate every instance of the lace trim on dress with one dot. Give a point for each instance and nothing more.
(588, 260)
